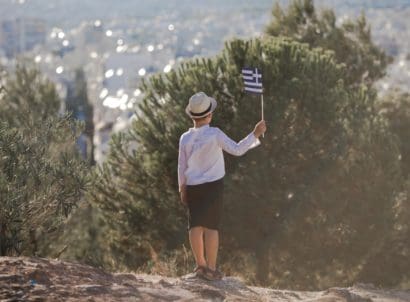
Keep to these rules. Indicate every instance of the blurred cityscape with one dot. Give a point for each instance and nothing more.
(117, 44)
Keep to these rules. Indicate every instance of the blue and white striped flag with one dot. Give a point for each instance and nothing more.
(252, 78)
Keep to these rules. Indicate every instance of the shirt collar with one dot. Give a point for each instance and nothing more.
(200, 128)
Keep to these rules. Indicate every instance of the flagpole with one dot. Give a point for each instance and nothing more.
(253, 83)
(263, 118)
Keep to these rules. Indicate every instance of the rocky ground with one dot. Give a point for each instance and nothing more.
(37, 279)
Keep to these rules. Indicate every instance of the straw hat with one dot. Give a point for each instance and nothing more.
(200, 105)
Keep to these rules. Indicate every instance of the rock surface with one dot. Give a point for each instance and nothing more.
(37, 279)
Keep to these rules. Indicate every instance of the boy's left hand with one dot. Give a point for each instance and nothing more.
(183, 195)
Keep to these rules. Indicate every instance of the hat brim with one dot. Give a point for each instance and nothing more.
(213, 107)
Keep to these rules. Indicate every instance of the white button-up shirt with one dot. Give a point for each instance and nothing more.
(201, 158)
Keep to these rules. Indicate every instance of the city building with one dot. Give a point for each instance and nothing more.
(20, 35)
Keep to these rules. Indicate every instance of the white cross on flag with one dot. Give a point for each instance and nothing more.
(252, 80)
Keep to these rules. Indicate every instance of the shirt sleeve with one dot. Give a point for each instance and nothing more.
(234, 148)
(182, 164)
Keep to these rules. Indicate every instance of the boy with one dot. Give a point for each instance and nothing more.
(200, 176)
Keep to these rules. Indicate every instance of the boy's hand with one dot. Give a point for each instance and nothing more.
(182, 192)
(260, 128)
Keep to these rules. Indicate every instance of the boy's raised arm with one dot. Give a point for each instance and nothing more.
(244, 145)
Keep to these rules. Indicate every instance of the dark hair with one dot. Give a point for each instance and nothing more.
(198, 119)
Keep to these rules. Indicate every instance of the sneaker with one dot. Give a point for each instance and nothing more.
(212, 275)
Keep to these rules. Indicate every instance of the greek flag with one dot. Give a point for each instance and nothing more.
(252, 78)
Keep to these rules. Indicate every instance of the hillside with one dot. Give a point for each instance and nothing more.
(37, 279)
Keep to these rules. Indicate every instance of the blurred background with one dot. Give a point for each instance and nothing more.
(118, 44)
(92, 95)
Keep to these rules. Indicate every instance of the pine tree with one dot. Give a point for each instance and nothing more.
(388, 264)
(395, 106)
(351, 41)
(42, 177)
(27, 95)
(289, 202)
(79, 106)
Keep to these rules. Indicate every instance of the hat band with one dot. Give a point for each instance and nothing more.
(201, 113)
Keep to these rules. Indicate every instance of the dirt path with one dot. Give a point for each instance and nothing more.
(37, 279)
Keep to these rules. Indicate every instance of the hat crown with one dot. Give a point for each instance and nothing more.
(199, 102)
(200, 105)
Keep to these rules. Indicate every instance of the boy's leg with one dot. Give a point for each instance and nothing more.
(211, 247)
(196, 238)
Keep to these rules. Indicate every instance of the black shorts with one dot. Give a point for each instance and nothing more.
(205, 204)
